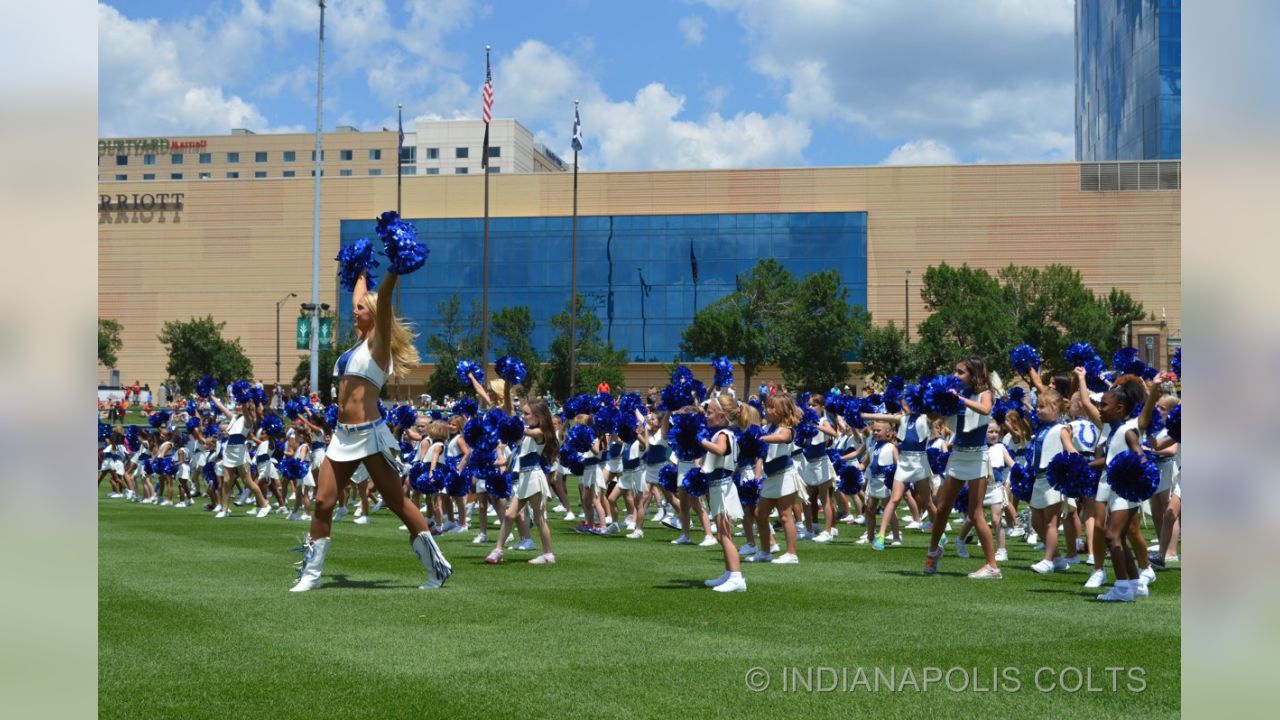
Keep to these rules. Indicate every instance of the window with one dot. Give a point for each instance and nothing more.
(313, 173)
(433, 153)
(461, 153)
(206, 158)
(375, 171)
(344, 173)
(495, 169)
(408, 154)
(148, 176)
(233, 175)
(290, 156)
(433, 171)
(122, 178)
(259, 173)
(233, 157)
(495, 151)
(408, 169)
(175, 176)
(260, 156)
(460, 171)
(313, 156)
(289, 173)
(148, 159)
(205, 175)
(176, 159)
(122, 160)
(375, 154)
(344, 154)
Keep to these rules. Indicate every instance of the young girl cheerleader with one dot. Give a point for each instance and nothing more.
(1016, 439)
(1170, 522)
(913, 472)
(750, 471)
(655, 456)
(457, 453)
(998, 461)
(722, 496)
(782, 486)
(1166, 450)
(235, 457)
(881, 456)
(967, 466)
(112, 466)
(1054, 437)
(537, 446)
(685, 503)
(632, 483)
(385, 349)
(818, 475)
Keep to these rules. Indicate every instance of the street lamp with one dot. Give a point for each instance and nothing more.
(278, 304)
(906, 302)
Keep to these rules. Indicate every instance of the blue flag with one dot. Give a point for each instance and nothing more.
(577, 131)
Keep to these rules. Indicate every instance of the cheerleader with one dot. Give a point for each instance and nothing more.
(456, 454)
(913, 471)
(967, 466)
(782, 487)
(268, 469)
(112, 466)
(722, 497)
(998, 461)
(235, 457)
(298, 447)
(1169, 451)
(1124, 433)
(654, 457)
(385, 349)
(558, 473)
(537, 446)
(1055, 437)
(818, 475)
(632, 482)
(684, 502)
(881, 456)
(750, 470)
(1166, 450)
(1016, 440)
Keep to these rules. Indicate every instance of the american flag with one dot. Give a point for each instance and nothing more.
(486, 104)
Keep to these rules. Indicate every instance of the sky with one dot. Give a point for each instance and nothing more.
(664, 84)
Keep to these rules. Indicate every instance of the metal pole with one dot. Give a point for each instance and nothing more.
(906, 302)
(399, 129)
(315, 215)
(484, 301)
(278, 304)
(573, 278)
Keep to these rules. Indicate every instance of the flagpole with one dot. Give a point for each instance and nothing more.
(314, 349)
(484, 168)
(399, 146)
(573, 275)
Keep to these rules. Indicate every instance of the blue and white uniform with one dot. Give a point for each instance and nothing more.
(816, 468)
(881, 459)
(632, 467)
(234, 452)
(528, 463)
(722, 494)
(655, 456)
(968, 459)
(1047, 446)
(112, 459)
(1116, 444)
(913, 453)
(356, 442)
(781, 478)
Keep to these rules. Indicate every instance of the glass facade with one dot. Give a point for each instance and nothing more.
(529, 264)
(1128, 80)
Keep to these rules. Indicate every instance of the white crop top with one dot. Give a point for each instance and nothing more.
(359, 361)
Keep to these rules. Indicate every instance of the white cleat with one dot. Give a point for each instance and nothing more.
(733, 584)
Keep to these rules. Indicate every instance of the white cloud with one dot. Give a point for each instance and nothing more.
(921, 152)
(992, 79)
(692, 28)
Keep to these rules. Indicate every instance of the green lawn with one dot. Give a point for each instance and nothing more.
(195, 621)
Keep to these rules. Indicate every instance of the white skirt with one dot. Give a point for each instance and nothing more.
(781, 484)
(722, 499)
(614, 465)
(967, 463)
(268, 471)
(816, 471)
(360, 475)
(650, 474)
(1111, 500)
(995, 494)
(234, 456)
(632, 480)
(876, 488)
(109, 465)
(532, 482)
(357, 442)
(184, 471)
(593, 477)
(1168, 470)
(1043, 494)
(913, 467)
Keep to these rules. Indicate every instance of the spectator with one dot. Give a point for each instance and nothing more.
(136, 390)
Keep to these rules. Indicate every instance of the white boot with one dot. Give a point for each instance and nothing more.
(312, 566)
(433, 561)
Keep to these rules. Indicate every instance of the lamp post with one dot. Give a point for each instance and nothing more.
(906, 302)
(278, 304)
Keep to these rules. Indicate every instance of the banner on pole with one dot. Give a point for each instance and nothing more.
(304, 332)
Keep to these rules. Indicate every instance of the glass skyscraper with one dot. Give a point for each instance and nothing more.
(1128, 80)
(636, 273)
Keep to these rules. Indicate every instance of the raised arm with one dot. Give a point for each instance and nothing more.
(381, 348)
(1154, 393)
(1082, 393)
(1034, 376)
(506, 399)
(481, 390)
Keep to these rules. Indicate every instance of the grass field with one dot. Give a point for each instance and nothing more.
(194, 621)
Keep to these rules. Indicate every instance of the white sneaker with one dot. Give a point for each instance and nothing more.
(114, 495)
(376, 507)
(786, 559)
(1017, 532)
(835, 532)
(1089, 560)
(1039, 547)
(558, 508)
(862, 540)
(1140, 589)
(403, 527)
(458, 529)
(612, 529)
(733, 584)
(263, 511)
(492, 511)
(748, 549)
(897, 542)
(860, 520)
(762, 557)
(292, 516)
(1044, 567)
(222, 514)
(708, 541)
(340, 513)
(180, 504)
(166, 503)
(926, 527)
(1148, 575)
(822, 537)
(526, 544)
(1060, 564)
(635, 534)
(1032, 538)
(773, 548)
(629, 524)
(961, 550)
(480, 539)
(448, 526)
(804, 535)
(1097, 579)
(304, 516)
(1117, 593)
(913, 525)
(1002, 555)
(569, 517)
(682, 540)
(717, 580)
(363, 520)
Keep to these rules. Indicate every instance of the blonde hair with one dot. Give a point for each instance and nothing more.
(785, 405)
(404, 354)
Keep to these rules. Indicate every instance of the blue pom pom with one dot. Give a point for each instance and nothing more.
(938, 398)
(1021, 482)
(456, 484)
(681, 375)
(1173, 423)
(420, 477)
(404, 416)
(511, 430)
(850, 482)
(750, 448)
(212, 430)
(104, 431)
(292, 409)
(961, 504)
(466, 407)
(889, 472)
(192, 424)
(1175, 363)
(132, 434)
(668, 478)
(913, 398)
(356, 260)
(748, 492)
(475, 432)
(938, 460)
(1079, 354)
(755, 403)
(572, 461)
(467, 366)
(579, 438)
(436, 415)
(724, 372)
(210, 474)
(1023, 358)
(272, 424)
(400, 244)
(258, 395)
(892, 397)
(331, 416)
(695, 482)
(511, 370)
(606, 421)
(191, 407)
(807, 430)
(206, 386)
(1017, 396)
(684, 437)
(1069, 474)
(1131, 478)
(500, 484)
(240, 391)
(627, 432)
(158, 419)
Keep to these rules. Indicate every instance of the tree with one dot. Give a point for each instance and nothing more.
(458, 338)
(514, 326)
(884, 351)
(197, 348)
(597, 361)
(818, 331)
(109, 342)
(744, 324)
(970, 316)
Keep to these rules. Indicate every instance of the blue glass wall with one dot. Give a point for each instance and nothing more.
(1128, 80)
(529, 265)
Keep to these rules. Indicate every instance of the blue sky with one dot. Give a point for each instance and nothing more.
(664, 83)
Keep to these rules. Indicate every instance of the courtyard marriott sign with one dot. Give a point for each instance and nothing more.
(148, 145)
(140, 208)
